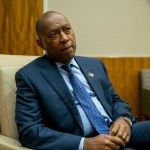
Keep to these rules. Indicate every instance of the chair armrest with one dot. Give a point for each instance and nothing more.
(146, 94)
(7, 143)
(146, 101)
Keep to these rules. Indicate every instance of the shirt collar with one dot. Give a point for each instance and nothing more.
(72, 62)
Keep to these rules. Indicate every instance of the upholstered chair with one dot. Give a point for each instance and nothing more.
(9, 64)
(145, 92)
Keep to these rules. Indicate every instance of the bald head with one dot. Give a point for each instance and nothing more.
(41, 20)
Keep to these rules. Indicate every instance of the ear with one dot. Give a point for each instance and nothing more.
(39, 43)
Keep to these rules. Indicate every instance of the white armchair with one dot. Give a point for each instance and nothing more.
(9, 64)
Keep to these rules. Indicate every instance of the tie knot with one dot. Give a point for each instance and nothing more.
(67, 68)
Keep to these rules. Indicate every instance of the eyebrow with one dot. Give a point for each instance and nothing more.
(58, 28)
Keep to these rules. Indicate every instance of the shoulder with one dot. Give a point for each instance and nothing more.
(89, 61)
(32, 66)
(32, 63)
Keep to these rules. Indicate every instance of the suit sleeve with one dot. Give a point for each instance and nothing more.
(32, 132)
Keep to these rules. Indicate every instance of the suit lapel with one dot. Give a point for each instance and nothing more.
(53, 76)
(92, 77)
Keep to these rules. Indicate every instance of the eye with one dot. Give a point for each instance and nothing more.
(67, 30)
(53, 35)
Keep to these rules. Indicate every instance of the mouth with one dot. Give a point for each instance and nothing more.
(67, 48)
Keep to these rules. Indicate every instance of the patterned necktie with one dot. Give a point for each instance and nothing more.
(79, 91)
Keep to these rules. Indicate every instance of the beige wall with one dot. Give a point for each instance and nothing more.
(111, 28)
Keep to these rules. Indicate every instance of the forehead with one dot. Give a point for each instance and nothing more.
(54, 21)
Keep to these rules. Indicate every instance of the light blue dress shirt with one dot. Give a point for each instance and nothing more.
(88, 128)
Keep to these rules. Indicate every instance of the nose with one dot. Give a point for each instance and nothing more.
(63, 37)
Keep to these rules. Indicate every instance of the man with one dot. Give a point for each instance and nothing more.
(49, 114)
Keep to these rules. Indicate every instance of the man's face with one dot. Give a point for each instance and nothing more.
(58, 39)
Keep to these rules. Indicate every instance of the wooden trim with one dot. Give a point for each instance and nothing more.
(17, 26)
(125, 76)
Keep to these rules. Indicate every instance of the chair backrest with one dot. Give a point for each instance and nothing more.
(9, 64)
(145, 78)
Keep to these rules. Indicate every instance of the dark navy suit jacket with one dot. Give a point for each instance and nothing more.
(46, 115)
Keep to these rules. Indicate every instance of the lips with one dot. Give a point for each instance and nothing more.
(66, 48)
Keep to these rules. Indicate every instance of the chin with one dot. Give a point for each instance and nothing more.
(67, 59)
